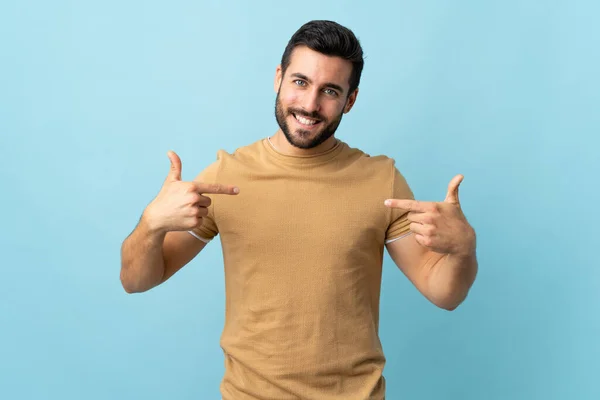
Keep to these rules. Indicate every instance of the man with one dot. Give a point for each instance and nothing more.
(303, 233)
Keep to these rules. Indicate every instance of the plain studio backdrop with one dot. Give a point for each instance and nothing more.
(93, 94)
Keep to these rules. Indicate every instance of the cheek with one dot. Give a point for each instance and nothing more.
(332, 110)
(290, 98)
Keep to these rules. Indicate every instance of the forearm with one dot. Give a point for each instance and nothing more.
(451, 278)
(142, 262)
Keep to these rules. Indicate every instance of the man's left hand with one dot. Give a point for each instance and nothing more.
(440, 226)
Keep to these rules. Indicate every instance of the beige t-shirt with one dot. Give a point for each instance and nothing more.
(303, 247)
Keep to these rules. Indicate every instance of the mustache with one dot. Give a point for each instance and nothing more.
(302, 113)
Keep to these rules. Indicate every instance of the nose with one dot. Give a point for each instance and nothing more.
(311, 101)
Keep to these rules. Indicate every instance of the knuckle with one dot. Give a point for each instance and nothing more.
(205, 201)
(190, 188)
(195, 197)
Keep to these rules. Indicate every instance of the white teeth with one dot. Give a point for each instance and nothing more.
(305, 121)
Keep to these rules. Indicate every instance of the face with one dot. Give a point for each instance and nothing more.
(312, 97)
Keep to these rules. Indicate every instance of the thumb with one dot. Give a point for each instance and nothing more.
(452, 195)
(175, 171)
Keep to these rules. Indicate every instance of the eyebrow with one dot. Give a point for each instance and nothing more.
(328, 84)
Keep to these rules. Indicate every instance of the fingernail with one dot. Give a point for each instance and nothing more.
(236, 190)
(387, 202)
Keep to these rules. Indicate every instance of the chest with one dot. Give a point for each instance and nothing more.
(313, 213)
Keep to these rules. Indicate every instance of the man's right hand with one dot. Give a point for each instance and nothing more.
(180, 206)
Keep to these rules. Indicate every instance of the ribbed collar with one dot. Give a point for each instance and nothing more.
(304, 159)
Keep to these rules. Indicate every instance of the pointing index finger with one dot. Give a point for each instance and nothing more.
(216, 188)
(409, 205)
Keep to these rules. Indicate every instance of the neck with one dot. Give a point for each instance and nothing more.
(280, 143)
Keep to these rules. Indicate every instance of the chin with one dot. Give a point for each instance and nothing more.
(306, 140)
(301, 142)
(304, 136)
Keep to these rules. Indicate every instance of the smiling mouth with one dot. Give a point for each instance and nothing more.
(308, 122)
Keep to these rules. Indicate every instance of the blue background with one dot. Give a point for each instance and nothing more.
(93, 94)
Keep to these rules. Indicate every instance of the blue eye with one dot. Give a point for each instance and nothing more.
(299, 82)
(331, 92)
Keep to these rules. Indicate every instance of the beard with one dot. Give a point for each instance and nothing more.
(302, 138)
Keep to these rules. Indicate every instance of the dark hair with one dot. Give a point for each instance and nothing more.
(329, 38)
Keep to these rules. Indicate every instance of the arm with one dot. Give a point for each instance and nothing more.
(150, 257)
(444, 279)
(161, 245)
(439, 257)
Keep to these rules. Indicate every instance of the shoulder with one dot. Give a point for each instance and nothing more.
(379, 169)
(242, 154)
(227, 159)
(379, 163)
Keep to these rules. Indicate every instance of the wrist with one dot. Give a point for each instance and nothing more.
(469, 245)
(150, 223)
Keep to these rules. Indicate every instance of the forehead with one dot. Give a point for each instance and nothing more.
(320, 68)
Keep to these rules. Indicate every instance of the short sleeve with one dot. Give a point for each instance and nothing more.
(399, 224)
(208, 230)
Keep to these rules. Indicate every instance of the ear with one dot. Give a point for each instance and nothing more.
(351, 100)
(278, 78)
